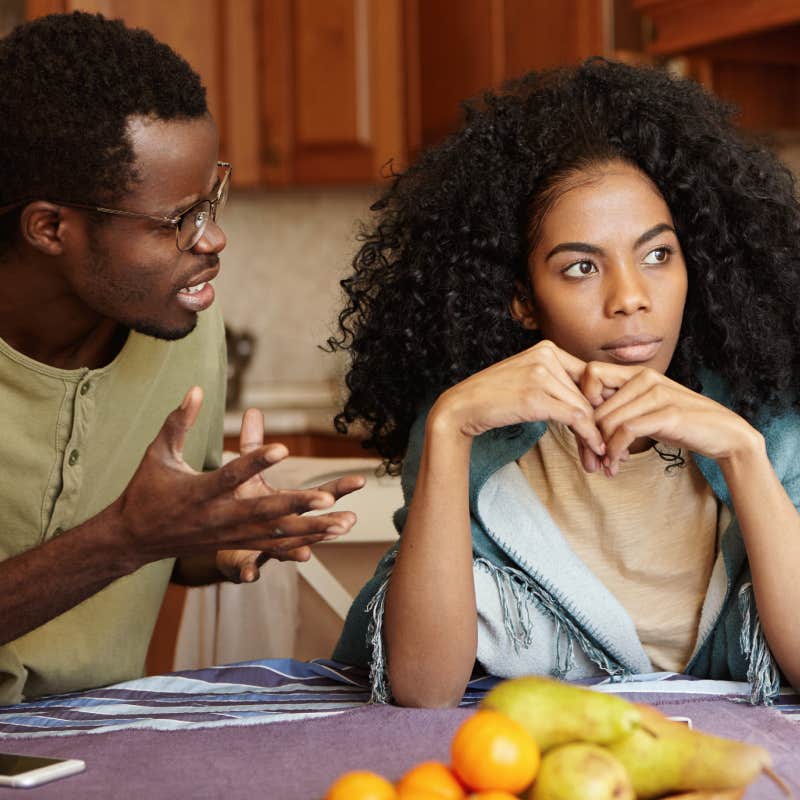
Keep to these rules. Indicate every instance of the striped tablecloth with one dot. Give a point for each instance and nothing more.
(262, 692)
(284, 730)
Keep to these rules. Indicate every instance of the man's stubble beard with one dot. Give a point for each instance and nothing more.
(100, 267)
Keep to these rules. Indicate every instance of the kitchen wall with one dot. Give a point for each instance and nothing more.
(286, 252)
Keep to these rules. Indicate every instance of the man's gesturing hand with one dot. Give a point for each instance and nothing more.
(170, 510)
(294, 533)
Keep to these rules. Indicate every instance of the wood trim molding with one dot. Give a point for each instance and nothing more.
(41, 8)
(683, 25)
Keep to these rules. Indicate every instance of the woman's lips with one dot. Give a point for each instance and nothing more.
(633, 349)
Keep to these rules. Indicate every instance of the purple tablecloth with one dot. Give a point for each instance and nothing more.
(297, 760)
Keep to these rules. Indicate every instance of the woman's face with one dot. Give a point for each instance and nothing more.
(608, 275)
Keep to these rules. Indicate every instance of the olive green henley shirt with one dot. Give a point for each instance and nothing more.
(70, 441)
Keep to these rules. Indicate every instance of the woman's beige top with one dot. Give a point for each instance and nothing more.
(650, 535)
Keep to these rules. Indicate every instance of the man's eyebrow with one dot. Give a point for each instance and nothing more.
(583, 247)
(195, 198)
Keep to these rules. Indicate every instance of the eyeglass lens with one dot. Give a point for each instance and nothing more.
(194, 221)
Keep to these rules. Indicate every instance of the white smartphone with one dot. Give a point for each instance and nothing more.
(26, 771)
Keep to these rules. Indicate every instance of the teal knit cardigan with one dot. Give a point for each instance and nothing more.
(541, 581)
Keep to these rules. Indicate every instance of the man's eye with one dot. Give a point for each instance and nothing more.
(580, 269)
(658, 256)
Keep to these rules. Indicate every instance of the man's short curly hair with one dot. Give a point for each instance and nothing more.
(70, 83)
(428, 300)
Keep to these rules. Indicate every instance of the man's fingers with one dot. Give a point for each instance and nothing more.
(171, 437)
(236, 472)
(290, 526)
(342, 486)
(298, 554)
(252, 432)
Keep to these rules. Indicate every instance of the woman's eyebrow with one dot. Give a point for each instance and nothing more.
(654, 231)
(583, 247)
(573, 247)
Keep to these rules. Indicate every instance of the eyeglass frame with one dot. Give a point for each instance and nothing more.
(176, 220)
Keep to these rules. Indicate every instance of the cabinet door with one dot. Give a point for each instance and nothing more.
(333, 90)
(465, 46)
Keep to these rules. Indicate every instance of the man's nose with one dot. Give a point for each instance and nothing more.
(627, 291)
(213, 239)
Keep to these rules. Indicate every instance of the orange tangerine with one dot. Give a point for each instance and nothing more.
(361, 785)
(493, 751)
(432, 777)
(418, 794)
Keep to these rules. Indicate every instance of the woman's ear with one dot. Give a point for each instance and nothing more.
(521, 307)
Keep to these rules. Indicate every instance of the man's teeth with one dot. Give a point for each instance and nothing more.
(194, 289)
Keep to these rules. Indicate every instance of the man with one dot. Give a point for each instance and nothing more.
(109, 237)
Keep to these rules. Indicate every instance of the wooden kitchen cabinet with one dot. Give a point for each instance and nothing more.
(329, 91)
(746, 52)
(333, 89)
(461, 48)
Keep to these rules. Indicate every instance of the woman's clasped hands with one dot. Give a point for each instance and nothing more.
(613, 409)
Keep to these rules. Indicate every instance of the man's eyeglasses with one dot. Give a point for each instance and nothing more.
(190, 225)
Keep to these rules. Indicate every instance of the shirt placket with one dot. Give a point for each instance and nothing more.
(74, 456)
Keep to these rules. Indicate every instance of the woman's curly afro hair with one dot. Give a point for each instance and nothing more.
(428, 299)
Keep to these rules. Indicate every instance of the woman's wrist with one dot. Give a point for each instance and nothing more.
(747, 451)
(444, 423)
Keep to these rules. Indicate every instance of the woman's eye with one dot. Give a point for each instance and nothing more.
(658, 256)
(580, 269)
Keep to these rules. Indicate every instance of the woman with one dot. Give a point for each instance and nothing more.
(574, 324)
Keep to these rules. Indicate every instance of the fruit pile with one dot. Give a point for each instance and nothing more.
(541, 739)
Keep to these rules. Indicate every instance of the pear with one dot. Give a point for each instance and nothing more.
(581, 771)
(556, 713)
(665, 756)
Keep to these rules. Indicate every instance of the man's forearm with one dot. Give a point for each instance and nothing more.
(43, 582)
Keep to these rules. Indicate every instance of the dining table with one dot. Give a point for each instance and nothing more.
(285, 729)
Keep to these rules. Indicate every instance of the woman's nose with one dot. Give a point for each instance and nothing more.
(627, 292)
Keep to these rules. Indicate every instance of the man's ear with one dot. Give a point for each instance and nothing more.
(42, 226)
(521, 307)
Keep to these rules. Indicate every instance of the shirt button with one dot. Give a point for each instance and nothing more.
(86, 386)
(58, 531)
(73, 458)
